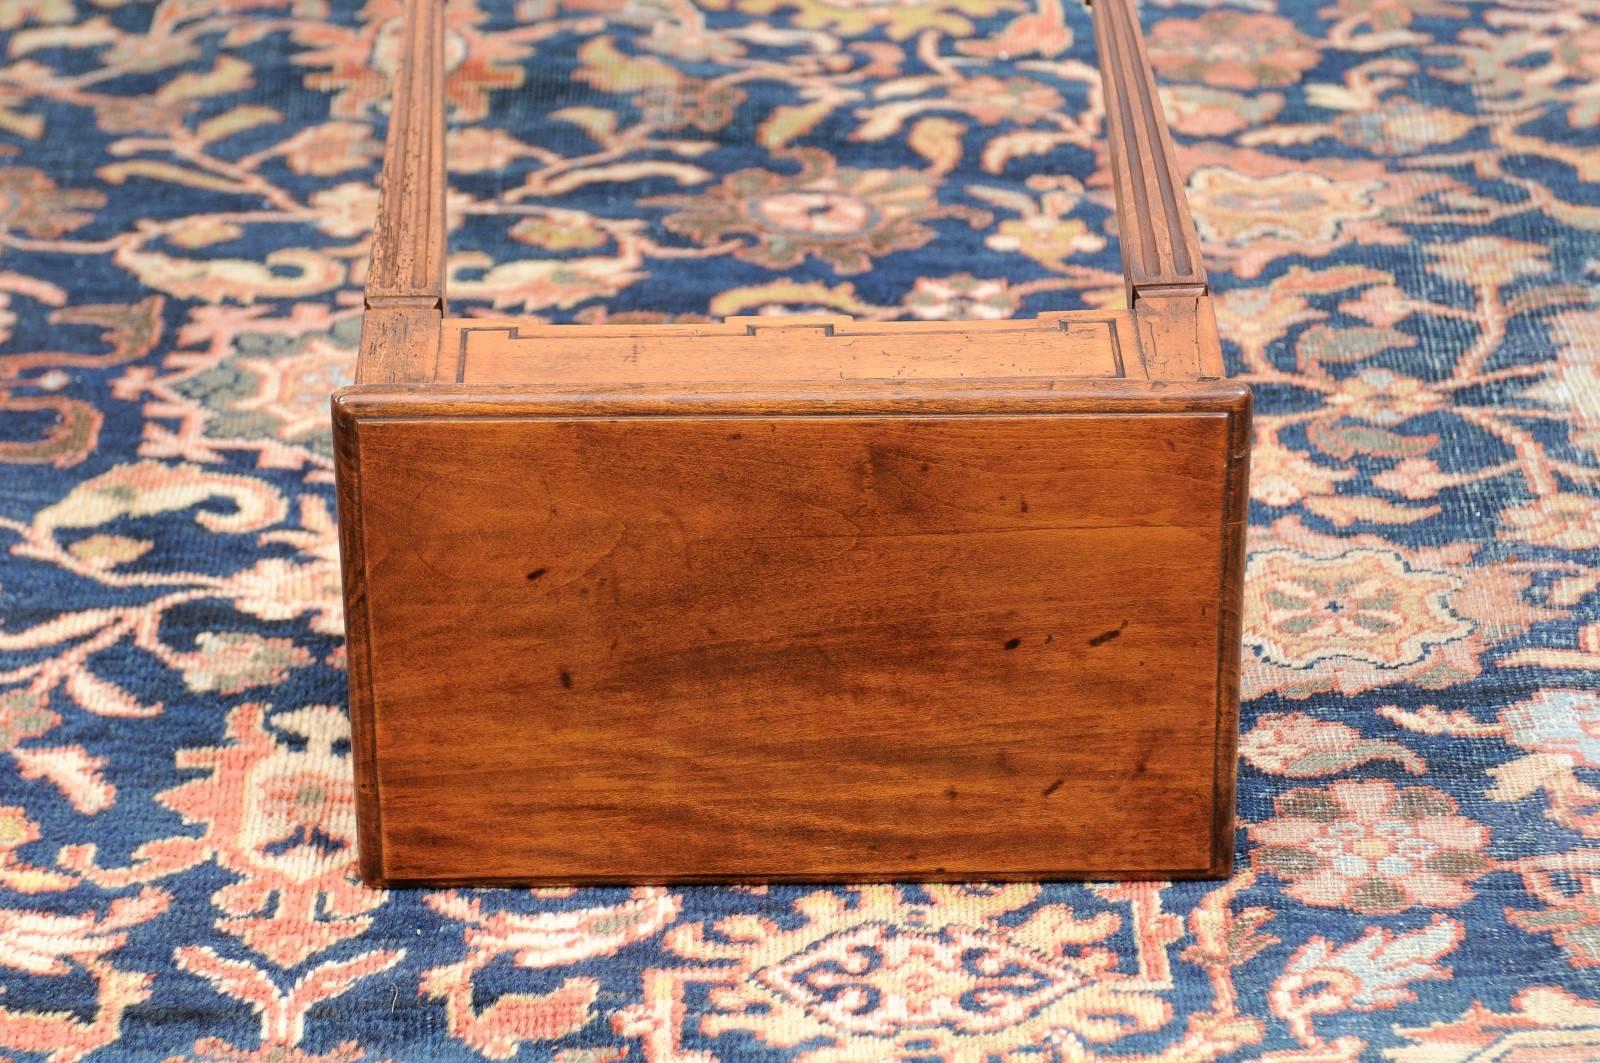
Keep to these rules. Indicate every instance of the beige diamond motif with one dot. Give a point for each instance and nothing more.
(881, 981)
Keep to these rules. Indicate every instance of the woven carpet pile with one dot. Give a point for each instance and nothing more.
(1400, 206)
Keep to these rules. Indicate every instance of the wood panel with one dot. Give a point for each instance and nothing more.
(480, 351)
(709, 647)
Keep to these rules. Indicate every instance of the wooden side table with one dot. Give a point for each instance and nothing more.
(793, 598)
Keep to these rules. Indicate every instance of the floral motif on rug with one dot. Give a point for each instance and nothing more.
(1398, 204)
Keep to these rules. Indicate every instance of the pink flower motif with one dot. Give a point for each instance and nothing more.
(1232, 49)
(1281, 477)
(1367, 605)
(1202, 111)
(960, 297)
(991, 100)
(841, 215)
(1565, 520)
(1303, 747)
(1372, 847)
(1383, 397)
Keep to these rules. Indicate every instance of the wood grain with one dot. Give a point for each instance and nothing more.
(793, 645)
(1178, 338)
(399, 345)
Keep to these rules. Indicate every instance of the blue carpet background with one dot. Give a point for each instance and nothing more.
(1400, 211)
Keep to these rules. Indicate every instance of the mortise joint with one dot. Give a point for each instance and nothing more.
(755, 324)
(756, 330)
(405, 302)
(1169, 291)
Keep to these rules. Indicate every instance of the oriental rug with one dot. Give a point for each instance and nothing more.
(1400, 206)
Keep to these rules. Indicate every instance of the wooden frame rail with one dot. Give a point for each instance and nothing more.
(405, 292)
(1160, 253)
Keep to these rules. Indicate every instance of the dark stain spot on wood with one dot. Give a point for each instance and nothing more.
(566, 678)
(537, 573)
(1048, 639)
(952, 793)
(1106, 636)
(735, 435)
(1013, 643)
(1052, 788)
(1023, 505)
(925, 467)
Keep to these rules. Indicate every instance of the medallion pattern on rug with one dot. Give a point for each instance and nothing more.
(1398, 202)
